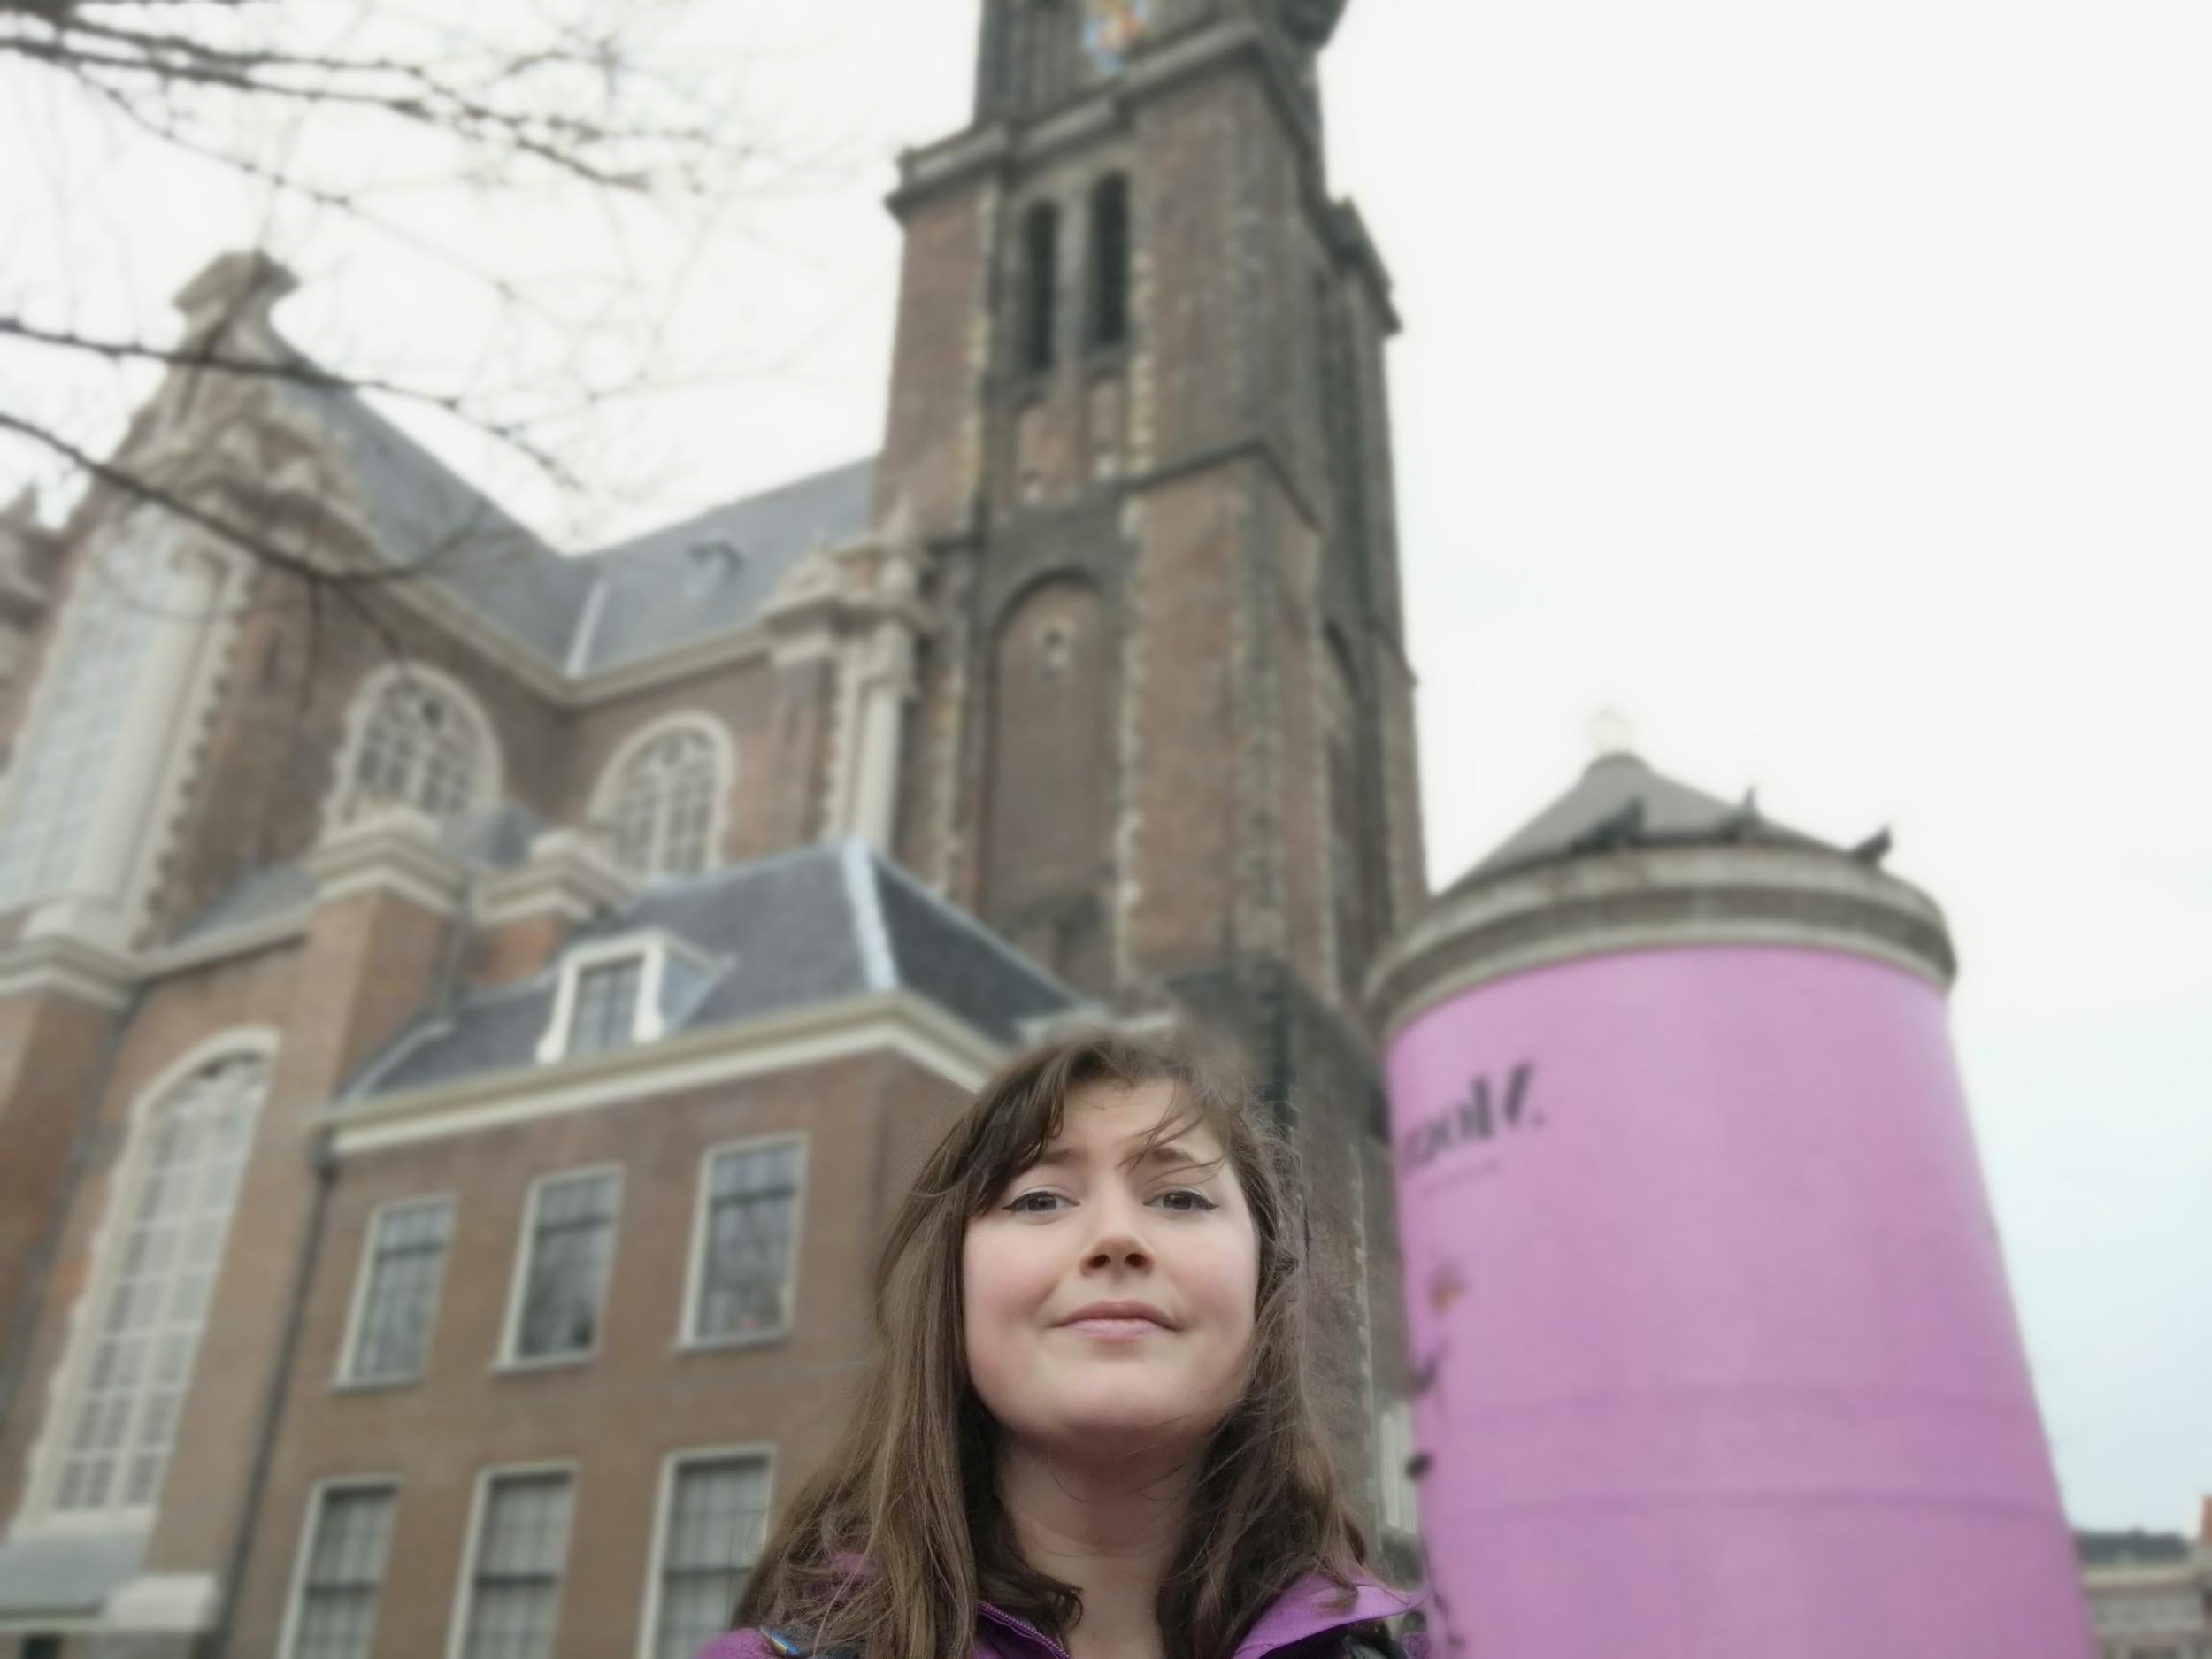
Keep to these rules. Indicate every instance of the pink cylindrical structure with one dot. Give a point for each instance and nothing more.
(1712, 1348)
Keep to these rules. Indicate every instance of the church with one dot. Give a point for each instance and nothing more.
(468, 1008)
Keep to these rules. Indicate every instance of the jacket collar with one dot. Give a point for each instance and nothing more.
(1297, 1615)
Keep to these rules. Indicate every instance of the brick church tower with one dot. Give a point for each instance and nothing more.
(1164, 739)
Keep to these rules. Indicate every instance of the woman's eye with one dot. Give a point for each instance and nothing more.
(1198, 1205)
(1020, 1205)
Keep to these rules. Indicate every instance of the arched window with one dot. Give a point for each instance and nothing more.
(1110, 263)
(144, 1331)
(665, 797)
(419, 742)
(84, 713)
(1040, 287)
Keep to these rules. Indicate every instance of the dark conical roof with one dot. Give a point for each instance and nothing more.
(1618, 803)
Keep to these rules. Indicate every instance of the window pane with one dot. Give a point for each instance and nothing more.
(606, 1006)
(408, 1256)
(420, 750)
(752, 1205)
(133, 1387)
(345, 1569)
(717, 1512)
(519, 1550)
(85, 706)
(571, 1242)
(665, 810)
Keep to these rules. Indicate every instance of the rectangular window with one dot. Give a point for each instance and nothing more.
(717, 1508)
(1040, 303)
(744, 1278)
(570, 1245)
(1110, 263)
(349, 1535)
(406, 1259)
(514, 1586)
(606, 1006)
(43, 1646)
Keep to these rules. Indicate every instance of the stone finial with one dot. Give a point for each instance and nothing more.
(234, 297)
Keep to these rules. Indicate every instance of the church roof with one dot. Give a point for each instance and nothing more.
(815, 926)
(707, 575)
(1621, 801)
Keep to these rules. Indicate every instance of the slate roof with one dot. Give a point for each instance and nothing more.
(498, 839)
(634, 600)
(814, 925)
(1620, 791)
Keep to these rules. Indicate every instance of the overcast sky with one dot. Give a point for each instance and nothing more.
(1826, 388)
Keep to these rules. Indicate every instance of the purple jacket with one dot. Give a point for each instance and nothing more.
(1297, 1614)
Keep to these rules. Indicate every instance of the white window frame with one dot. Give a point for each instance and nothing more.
(687, 1337)
(347, 1376)
(491, 774)
(296, 1602)
(517, 1288)
(665, 1494)
(480, 1503)
(606, 799)
(35, 1514)
(652, 947)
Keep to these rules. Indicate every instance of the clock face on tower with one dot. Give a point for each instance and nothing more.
(1111, 29)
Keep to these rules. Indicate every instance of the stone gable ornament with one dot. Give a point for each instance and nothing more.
(1111, 29)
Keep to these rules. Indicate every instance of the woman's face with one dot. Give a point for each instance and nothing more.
(1084, 1227)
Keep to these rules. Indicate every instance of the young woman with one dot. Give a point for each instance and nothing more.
(1088, 1433)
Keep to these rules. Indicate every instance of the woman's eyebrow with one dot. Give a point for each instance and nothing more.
(1169, 1152)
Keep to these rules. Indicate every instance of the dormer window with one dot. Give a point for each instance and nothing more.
(606, 1006)
(618, 993)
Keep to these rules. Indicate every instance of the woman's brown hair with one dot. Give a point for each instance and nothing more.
(911, 1488)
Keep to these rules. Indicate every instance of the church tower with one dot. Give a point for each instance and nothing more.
(1138, 419)
(1163, 737)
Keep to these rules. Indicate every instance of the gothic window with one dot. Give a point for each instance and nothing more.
(350, 1537)
(1110, 263)
(514, 1584)
(1040, 287)
(664, 805)
(406, 1259)
(717, 1508)
(568, 1246)
(748, 1233)
(48, 809)
(422, 746)
(145, 1331)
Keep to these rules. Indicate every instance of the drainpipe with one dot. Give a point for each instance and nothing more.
(15, 1350)
(322, 1164)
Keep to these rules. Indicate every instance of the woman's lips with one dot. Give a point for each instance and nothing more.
(1115, 1330)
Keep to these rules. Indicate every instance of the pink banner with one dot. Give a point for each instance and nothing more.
(1714, 1353)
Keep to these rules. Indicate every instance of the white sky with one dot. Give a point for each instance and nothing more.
(1828, 388)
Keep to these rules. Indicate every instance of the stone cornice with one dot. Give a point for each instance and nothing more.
(1655, 899)
(63, 964)
(568, 876)
(393, 850)
(897, 1022)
